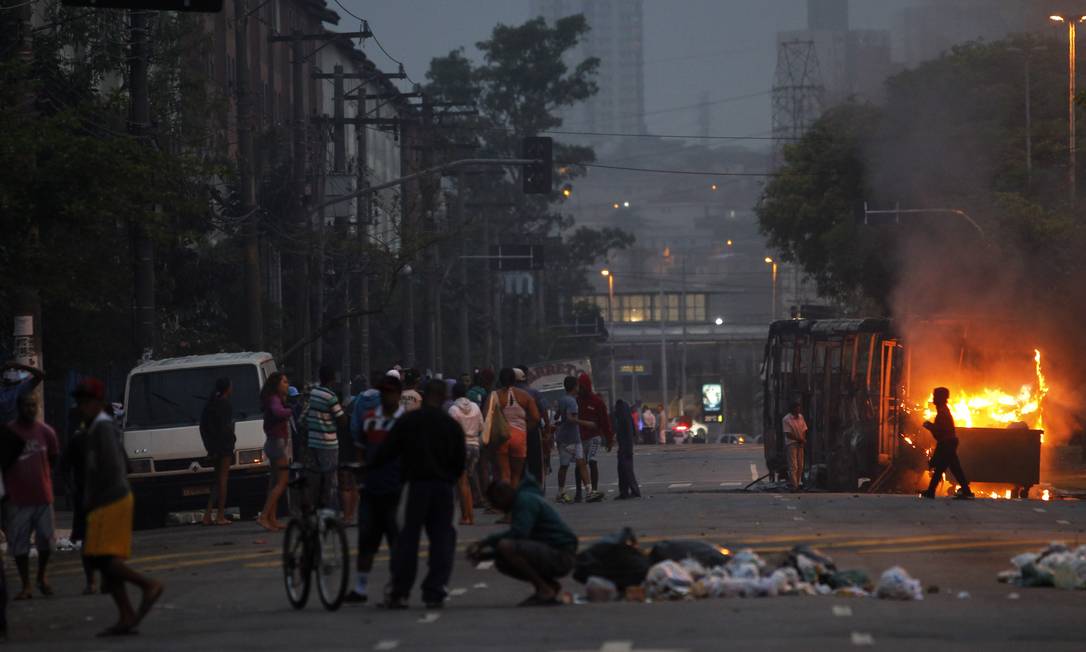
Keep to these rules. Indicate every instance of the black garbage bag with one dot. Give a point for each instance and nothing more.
(704, 553)
(813, 564)
(616, 558)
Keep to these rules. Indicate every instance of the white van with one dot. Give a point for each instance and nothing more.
(167, 464)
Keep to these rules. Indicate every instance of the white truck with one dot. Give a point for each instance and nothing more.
(167, 464)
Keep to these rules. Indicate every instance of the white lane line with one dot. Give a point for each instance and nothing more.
(617, 646)
(386, 645)
(862, 638)
(680, 485)
(430, 617)
(479, 585)
(485, 565)
(797, 518)
(1039, 510)
(791, 508)
(842, 610)
(731, 484)
(753, 471)
(1062, 522)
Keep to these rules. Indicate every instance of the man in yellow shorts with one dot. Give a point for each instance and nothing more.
(109, 504)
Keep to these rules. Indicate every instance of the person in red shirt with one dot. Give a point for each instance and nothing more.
(29, 485)
(592, 409)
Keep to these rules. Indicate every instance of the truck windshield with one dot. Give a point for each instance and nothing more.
(175, 398)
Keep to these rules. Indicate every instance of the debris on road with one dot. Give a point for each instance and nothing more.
(598, 589)
(897, 584)
(1056, 565)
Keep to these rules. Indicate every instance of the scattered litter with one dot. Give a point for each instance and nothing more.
(457, 592)
(429, 617)
(1039, 510)
(862, 638)
(1063, 522)
(615, 558)
(897, 584)
(668, 580)
(706, 554)
(386, 645)
(479, 585)
(485, 565)
(964, 595)
(1013, 596)
(842, 610)
(64, 544)
(635, 593)
(598, 589)
(1056, 565)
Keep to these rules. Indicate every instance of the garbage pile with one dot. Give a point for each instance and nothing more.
(1056, 565)
(685, 570)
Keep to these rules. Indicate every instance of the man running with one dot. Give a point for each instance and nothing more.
(946, 447)
(109, 505)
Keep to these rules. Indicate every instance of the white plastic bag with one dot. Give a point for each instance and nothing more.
(599, 589)
(897, 584)
(668, 580)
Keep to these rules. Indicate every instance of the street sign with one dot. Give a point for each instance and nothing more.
(516, 258)
(205, 6)
(634, 367)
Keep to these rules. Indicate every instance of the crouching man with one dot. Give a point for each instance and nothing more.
(538, 548)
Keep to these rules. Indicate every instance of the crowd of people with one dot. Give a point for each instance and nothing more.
(484, 440)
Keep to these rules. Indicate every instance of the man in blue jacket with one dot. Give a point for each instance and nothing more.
(537, 548)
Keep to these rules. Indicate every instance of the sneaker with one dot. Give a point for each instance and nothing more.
(563, 499)
(964, 494)
(594, 497)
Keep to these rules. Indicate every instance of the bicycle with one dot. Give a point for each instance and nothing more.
(315, 543)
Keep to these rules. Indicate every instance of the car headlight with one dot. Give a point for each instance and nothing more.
(251, 456)
(140, 466)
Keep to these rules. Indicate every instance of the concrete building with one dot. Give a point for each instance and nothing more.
(617, 39)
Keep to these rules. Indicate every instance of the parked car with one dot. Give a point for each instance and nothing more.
(684, 429)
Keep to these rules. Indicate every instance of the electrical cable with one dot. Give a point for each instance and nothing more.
(665, 171)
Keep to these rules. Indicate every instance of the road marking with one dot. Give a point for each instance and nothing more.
(479, 585)
(624, 646)
(797, 518)
(954, 546)
(1062, 522)
(456, 592)
(386, 645)
(842, 610)
(1039, 510)
(731, 484)
(753, 471)
(680, 485)
(430, 617)
(485, 565)
(862, 638)
(791, 508)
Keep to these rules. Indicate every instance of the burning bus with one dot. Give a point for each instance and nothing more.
(865, 385)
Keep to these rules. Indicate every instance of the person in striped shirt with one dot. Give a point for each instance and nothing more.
(322, 419)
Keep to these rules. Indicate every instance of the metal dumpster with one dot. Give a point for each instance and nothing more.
(1002, 455)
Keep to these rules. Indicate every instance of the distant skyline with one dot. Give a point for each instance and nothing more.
(722, 51)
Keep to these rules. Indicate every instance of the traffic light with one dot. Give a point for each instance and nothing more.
(567, 191)
(206, 6)
(538, 176)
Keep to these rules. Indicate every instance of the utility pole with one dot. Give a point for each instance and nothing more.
(359, 280)
(254, 300)
(302, 314)
(139, 123)
(682, 360)
(465, 317)
(663, 356)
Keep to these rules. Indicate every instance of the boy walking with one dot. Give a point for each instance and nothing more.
(568, 437)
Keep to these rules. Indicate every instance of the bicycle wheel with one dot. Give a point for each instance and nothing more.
(333, 564)
(296, 575)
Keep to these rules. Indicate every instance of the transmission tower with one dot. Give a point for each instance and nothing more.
(797, 93)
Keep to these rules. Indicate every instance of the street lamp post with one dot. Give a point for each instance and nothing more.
(1072, 22)
(773, 309)
(611, 327)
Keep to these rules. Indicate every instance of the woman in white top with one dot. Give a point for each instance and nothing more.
(465, 412)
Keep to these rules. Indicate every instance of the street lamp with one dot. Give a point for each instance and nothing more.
(773, 264)
(719, 321)
(1072, 22)
(611, 326)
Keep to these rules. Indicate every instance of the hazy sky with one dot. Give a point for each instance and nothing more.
(719, 48)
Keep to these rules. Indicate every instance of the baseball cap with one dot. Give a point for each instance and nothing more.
(393, 373)
(518, 374)
(292, 391)
(90, 388)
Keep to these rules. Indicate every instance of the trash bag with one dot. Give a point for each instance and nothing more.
(735, 587)
(668, 580)
(1068, 570)
(706, 554)
(599, 589)
(813, 565)
(896, 584)
(856, 578)
(616, 558)
(696, 570)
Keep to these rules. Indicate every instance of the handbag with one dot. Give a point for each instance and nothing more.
(496, 429)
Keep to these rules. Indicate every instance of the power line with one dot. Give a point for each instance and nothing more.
(616, 134)
(664, 171)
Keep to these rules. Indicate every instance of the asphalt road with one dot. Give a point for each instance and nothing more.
(224, 586)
